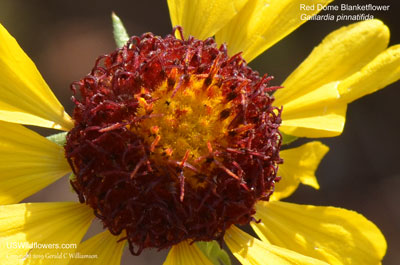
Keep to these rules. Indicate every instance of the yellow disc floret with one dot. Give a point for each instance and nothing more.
(185, 117)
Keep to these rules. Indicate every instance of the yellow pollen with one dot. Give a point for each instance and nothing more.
(180, 119)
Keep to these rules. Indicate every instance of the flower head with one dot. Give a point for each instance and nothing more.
(173, 140)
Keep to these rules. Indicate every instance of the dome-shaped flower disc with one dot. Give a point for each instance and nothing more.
(173, 140)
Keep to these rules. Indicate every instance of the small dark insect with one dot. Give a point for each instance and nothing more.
(224, 114)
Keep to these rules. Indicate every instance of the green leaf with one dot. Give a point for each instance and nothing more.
(287, 139)
(58, 138)
(120, 34)
(214, 253)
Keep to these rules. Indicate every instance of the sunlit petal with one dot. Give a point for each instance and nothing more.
(380, 72)
(186, 254)
(24, 96)
(34, 233)
(28, 162)
(324, 121)
(335, 235)
(299, 166)
(203, 18)
(262, 23)
(319, 113)
(103, 248)
(251, 251)
(341, 54)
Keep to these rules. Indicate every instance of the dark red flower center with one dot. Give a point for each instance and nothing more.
(173, 140)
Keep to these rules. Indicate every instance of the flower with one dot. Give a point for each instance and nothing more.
(30, 162)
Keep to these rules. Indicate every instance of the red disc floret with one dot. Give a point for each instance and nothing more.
(159, 202)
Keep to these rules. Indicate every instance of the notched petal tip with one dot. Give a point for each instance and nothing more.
(299, 166)
(340, 54)
(382, 71)
(334, 235)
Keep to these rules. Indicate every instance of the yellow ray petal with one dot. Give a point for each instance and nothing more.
(186, 254)
(28, 162)
(251, 251)
(318, 113)
(341, 53)
(327, 94)
(335, 235)
(380, 72)
(262, 23)
(24, 96)
(299, 166)
(203, 18)
(41, 233)
(98, 250)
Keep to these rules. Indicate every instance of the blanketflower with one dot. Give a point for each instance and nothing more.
(350, 63)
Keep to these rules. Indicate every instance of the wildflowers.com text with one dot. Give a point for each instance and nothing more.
(36, 245)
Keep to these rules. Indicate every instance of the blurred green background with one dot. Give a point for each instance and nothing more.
(362, 170)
